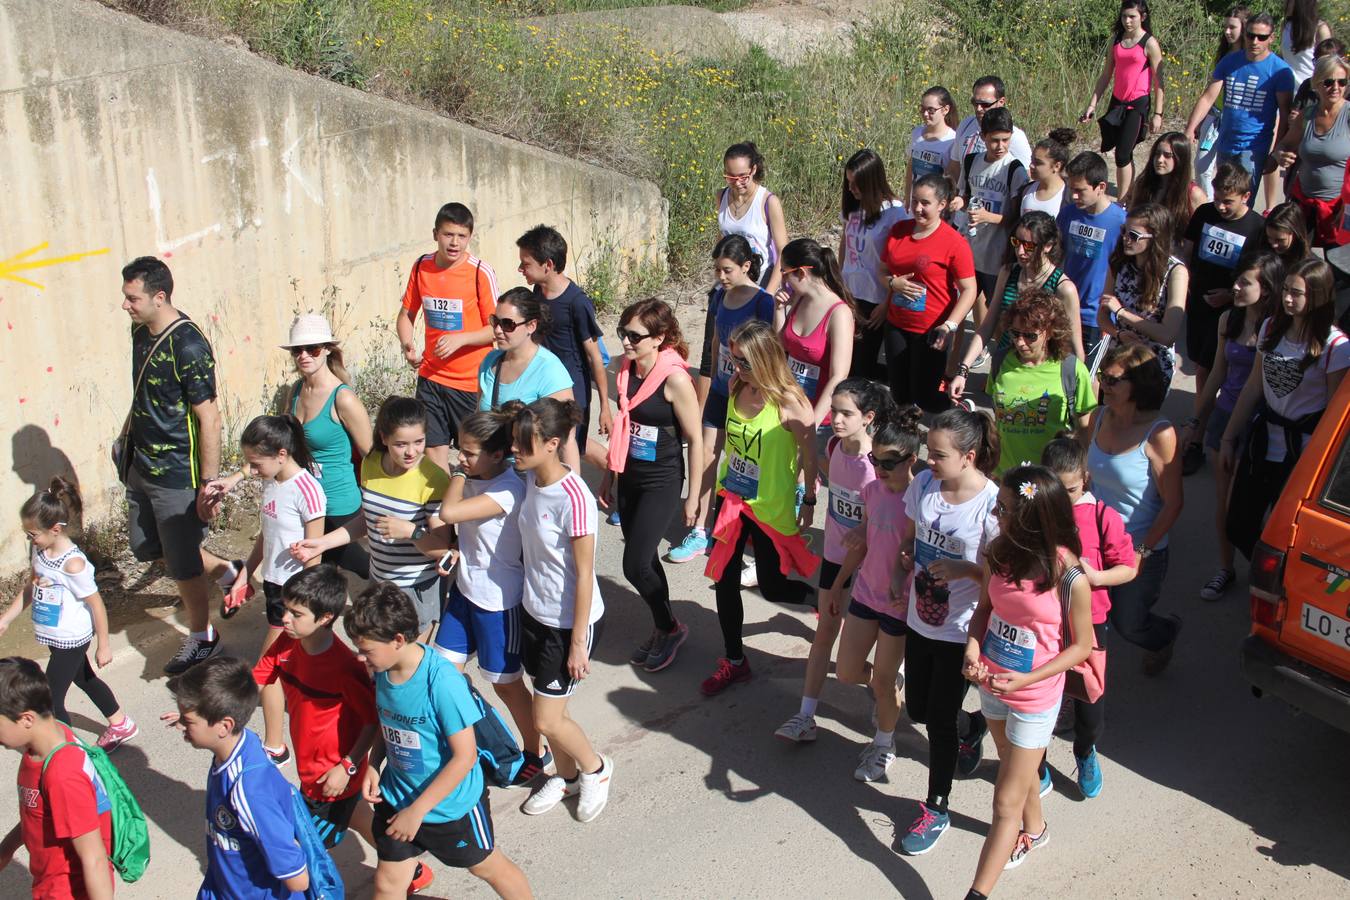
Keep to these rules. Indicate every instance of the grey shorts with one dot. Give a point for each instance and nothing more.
(163, 524)
(429, 599)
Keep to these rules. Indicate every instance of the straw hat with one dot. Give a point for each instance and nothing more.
(309, 329)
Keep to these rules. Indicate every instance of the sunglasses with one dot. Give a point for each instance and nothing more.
(309, 349)
(795, 270)
(1259, 37)
(1137, 236)
(889, 463)
(632, 337)
(1029, 246)
(507, 325)
(1111, 380)
(738, 179)
(982, 104)
(740, 362)
(1028, 336)
(1335, 82)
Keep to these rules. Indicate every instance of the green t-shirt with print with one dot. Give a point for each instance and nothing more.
(1030, 407)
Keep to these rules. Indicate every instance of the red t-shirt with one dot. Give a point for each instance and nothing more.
(938, 261)
(56, 807)
(453, 300)
(329, 698)
(1118, 550)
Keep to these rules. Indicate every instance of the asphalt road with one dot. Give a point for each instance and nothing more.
(1209, 792)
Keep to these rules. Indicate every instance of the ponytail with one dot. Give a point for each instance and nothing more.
(543, 420)
(808, 254)
(898, 428)
(490, 428)
(971, 431)
(59, 504)
(396, 413)
(269, 435)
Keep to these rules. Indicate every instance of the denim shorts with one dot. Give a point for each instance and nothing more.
(1028, 730)
(715, 410)
(1218, 421)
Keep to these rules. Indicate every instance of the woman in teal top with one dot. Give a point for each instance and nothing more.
(336, 424)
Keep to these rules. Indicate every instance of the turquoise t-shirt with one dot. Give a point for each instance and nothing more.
(417, 719)
(545, 375)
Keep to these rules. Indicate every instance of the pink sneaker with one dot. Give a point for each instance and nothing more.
(726, 675)
(117, 735)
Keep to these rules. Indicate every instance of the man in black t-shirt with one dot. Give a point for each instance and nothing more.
(175, 444)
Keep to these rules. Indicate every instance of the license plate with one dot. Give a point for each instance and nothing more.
(1332, 629)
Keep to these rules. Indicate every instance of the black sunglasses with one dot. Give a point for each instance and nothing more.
(1028, 336)
(311, 349)
(1111, 380)
(890, 463)
(1335, 82)
(741, 363)
(1259, 37)
(982, 104)
(507, 325)
(631, 337)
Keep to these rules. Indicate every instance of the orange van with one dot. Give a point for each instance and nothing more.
(1299, 648)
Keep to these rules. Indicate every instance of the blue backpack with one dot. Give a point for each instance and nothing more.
(498, 753)
(324, 881)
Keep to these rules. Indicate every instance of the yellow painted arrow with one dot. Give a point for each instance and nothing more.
(20, 262)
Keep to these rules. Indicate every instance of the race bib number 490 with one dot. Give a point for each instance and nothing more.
(444, 314)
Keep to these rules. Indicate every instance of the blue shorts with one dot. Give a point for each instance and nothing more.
(888, 624)
(715, 410)
(494, 635)
(1028, 730)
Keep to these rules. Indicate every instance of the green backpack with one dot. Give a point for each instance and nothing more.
(130, 838)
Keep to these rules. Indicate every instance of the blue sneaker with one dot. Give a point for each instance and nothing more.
(694, 545)
(924, 832)
(1046, 784)
(801, 495)
(613, 518)
(970, 753)
(1089, 774)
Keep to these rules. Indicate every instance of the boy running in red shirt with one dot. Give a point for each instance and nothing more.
(64, 815)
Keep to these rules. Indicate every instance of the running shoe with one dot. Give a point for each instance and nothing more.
(925, 831)
(1192, 458)
(979, 360)
(1025, 844)
(1155, 661)
(550, 794)
(749, 575)
(115, 736)
(694, 545)
(725, 676)
(1214, 588)
(874, 761)
(280, 757)
(970, 753)
(533, 766)
(1089, 774)
(801, 495)
(799, 729)
(422, 877)
(665, 646)
(639, 656)
(192, 651)
(1047, 784)
(232, 601)
(595, 790)
(613, 517)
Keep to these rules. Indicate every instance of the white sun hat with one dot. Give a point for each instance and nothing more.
(309, 329)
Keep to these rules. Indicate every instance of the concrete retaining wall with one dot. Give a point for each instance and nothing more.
(268, 191)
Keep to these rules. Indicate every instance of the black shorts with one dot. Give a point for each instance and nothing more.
(460, 844)
(1202, 331)
(331, 817)
(888, 624)
(584, 427)
(829, 571)
(1122, 137)
(275, 608)
(985, 283)
(544, 655)
(446, 408)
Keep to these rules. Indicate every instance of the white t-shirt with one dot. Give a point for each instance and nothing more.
(940, 610)
(929, 157)
(968, 140)
(992, 186)
(549, 518)
(61, 618)
(286, 507)
(863, 244)
(1292, 393)
(1050, 207)
(491, 569)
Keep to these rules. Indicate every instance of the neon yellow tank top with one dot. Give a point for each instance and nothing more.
(760, 465)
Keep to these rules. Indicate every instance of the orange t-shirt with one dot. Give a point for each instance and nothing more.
(455, 300)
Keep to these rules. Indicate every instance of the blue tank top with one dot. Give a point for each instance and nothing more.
(1124, 482)
(331, 447)
(759, 307)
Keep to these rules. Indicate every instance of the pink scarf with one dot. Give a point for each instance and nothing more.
(667, 361)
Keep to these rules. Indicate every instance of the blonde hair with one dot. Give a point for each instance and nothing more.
(757, 342)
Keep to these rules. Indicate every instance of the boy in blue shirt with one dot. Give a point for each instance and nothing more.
(575, 333)
(431, 796)
(1089, 229)
(250, 824)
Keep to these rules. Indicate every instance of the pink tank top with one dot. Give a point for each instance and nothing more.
(1133, 76)
(848, 476)
(1025, 632)
(809, 355)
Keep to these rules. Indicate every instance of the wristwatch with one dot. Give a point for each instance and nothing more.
(350, 766)
(419, 532)
(1143, 551)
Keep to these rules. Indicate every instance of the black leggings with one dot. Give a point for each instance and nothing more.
(1124, 136)
(915, 370)
(351, 555)
(645, 512)
(71, 666)
(1261, 484)
(773, 584)
(1089, 718)
(867, 346)
(934, 691)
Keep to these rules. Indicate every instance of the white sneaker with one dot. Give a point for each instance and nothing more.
(595, 790)
(749, 578)
(874, 762)
(799, 729)
(549, 794)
